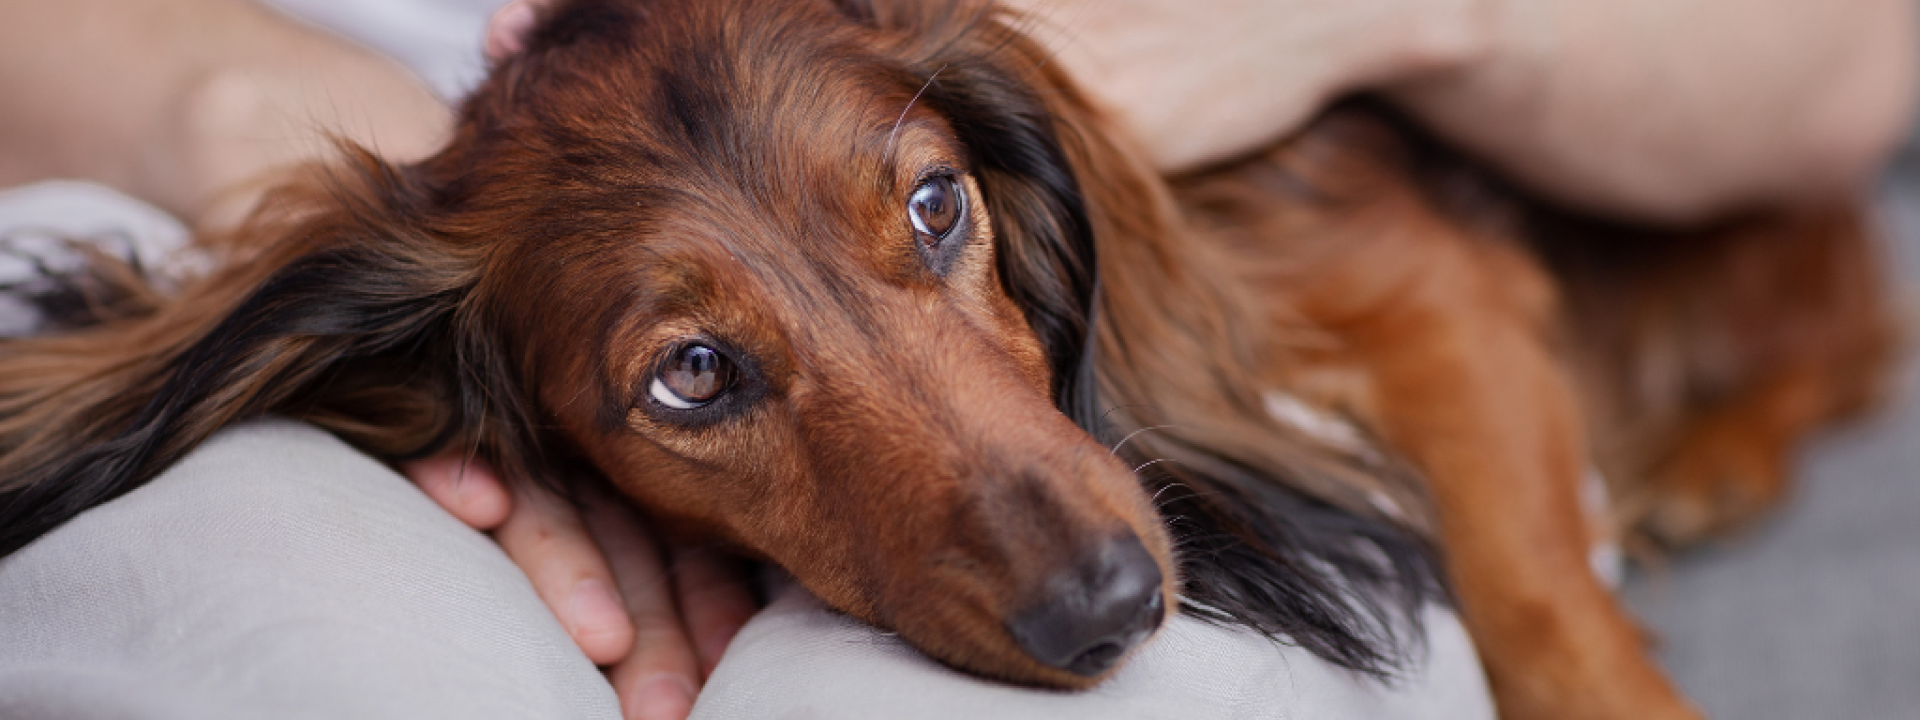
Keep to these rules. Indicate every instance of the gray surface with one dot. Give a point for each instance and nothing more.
(1816, 614)
(796, 660)
(277, 573)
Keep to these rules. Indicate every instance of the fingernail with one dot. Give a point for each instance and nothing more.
(596, 609)
(506, 31)
(664, 697)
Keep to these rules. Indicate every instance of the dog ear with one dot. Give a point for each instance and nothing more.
(1281, 531)
(349, 316)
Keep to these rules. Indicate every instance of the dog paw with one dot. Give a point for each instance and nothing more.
(1719, 481)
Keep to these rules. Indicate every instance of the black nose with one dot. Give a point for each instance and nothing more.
(1094, 612)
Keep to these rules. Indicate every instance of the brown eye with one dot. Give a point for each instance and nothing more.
(697, 375)
(934, 207)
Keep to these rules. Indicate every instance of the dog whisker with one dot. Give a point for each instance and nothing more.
(891, 136)
(1161, 491)
(1145, 465)
(1191, 494)
(1123, 441)
(1102, 423)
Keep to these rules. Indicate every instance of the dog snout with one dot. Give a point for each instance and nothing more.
(1089, 616)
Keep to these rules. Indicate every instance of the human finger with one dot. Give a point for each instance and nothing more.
(465, 487)
(545, 535)
(714, 598)
(659, 679)
(507, 30)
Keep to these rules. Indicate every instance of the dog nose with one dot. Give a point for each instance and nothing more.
(1091, 615)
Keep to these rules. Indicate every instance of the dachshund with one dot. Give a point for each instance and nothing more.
(868, 290)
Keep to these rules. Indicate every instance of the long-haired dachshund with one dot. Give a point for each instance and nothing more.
(865, 288)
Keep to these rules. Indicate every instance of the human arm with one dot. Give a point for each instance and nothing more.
(1684, 109)
(182, 102)
(1663, 110)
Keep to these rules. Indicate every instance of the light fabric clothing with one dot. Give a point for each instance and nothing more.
(798, 661)
(277, 573)
(41, 226)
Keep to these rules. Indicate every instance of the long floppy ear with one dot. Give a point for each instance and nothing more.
(1281, 533)
(348, 313)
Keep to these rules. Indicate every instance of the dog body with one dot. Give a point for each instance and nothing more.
(865, 289)
(1506, 350)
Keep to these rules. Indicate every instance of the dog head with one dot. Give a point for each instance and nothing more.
(813, 278)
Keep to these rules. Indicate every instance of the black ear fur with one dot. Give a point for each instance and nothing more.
(361, 331)
(297, 328)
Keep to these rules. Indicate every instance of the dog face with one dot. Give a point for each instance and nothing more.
(767, 280)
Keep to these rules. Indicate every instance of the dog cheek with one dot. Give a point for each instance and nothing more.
(1013, 336)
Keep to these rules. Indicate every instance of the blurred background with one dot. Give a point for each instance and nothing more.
(1815, 613)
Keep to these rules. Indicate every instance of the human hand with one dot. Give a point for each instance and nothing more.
(658, 624)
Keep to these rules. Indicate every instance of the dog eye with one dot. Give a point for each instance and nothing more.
(696, 376)
(934, 207)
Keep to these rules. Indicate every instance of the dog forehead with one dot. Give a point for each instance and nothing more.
(759, 152)
(775, 130)
(709, 263)
(758, 92)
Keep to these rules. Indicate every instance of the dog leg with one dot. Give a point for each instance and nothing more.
(1731, 465)
(1439, 338)
(1465, 386)
(1711, 357)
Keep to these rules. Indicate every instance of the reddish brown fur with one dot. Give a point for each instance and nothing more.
(900, 450)
(1704, 359)
(1694, 362)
